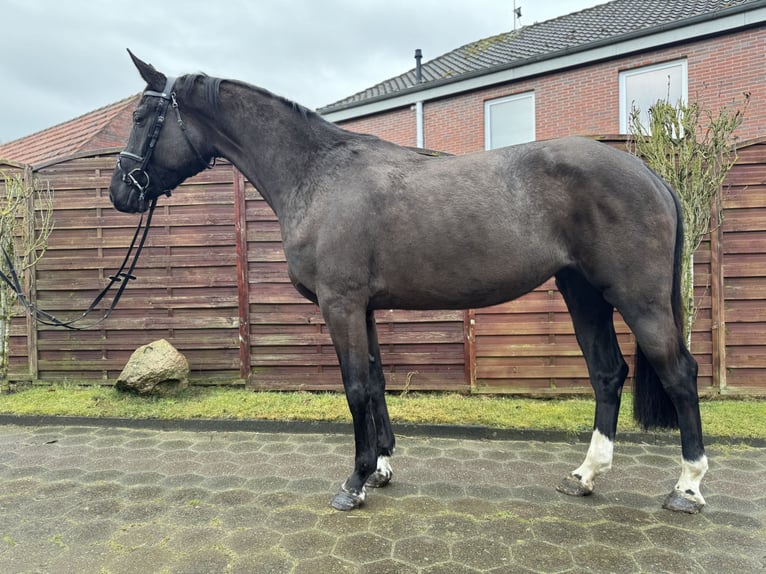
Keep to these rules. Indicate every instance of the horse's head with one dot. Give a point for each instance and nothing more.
(160, 154)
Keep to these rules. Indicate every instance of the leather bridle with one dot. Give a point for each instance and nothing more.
(138, 178)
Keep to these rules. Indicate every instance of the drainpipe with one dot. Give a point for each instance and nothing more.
(419, 124)
(420, 140)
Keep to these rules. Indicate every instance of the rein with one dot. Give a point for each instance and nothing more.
(121, 276)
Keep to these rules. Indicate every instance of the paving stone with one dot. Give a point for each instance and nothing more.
(265, 563)
(142, 560)
(656, 560)
(387, 566)
(421, 551)
(718, 561)
(287, 520)
(449, 568)
(363, 548)
(205, 561)
(562, 533)
(507, 529)
(606, 560)
(326, 565)
(618, 535)
(448, 526)
(481, 553)
(140, 500)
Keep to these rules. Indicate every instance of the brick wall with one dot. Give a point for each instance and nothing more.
(584, 100)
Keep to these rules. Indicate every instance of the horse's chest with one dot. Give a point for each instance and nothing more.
(301, 264)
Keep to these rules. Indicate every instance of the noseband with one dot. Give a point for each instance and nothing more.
(138, 178)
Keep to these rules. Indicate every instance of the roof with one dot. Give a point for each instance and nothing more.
(605, 23)
(106, 127)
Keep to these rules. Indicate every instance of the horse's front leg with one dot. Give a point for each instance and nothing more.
(385, 436)
(347, 325)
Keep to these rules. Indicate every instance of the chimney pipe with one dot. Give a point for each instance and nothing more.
(418, 66)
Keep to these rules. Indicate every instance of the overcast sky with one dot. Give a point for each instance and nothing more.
(60, 59)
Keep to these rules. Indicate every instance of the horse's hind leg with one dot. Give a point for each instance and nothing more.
(592, 317)
(666, 397)
(385, 436)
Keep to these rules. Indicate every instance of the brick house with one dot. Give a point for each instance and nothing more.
(573, 75)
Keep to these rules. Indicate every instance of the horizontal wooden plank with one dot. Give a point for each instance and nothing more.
(750, 378)
(747, 174)
(388, 359)
(750, 265)
(737, 243)
(743, 197)
(444, 381)
(750, 219)
(752, 311)
(744, 357)
(408, 338)
(751, 152)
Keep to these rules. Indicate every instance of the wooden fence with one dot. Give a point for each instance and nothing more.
(213, 281)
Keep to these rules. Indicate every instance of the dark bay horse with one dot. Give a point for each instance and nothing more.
(369, 225)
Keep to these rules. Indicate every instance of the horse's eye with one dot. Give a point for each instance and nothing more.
(138, 118)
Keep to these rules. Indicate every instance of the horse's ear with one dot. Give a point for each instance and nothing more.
(154, 79)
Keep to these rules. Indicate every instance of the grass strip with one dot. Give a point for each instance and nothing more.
(725, 418)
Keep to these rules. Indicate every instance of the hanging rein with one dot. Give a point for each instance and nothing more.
(137, 178)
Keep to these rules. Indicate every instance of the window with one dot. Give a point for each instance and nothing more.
(509, 121)
(642, 88)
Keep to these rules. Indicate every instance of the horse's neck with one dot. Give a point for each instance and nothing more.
(270, 141)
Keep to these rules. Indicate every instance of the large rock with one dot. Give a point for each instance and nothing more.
(156, 369)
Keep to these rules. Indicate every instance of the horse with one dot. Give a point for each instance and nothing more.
(368, 225)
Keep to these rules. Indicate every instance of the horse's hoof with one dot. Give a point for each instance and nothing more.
(677, 501)
(348, 499)
(573, 487)
(379, 479)
(383, 473)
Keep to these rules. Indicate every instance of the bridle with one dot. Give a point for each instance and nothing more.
(137, 179)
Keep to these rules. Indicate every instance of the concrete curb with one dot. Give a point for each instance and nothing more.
(327, 427)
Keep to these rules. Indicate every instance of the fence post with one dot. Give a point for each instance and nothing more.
(717, 298)
(469, 345)
(243, 284)
(31, 279)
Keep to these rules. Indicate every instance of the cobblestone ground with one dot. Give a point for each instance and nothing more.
(115, 500)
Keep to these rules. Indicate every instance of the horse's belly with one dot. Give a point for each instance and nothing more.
(457, 290)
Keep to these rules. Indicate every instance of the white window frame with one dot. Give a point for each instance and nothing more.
(625, 106)
(488, 115)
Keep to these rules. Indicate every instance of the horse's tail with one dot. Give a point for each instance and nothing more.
(652, 407)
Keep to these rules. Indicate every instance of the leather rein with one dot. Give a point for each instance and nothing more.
(138, 179)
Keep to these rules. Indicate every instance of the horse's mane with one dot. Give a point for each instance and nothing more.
(211, 88)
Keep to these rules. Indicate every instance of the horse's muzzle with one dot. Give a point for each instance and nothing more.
(125, 197)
